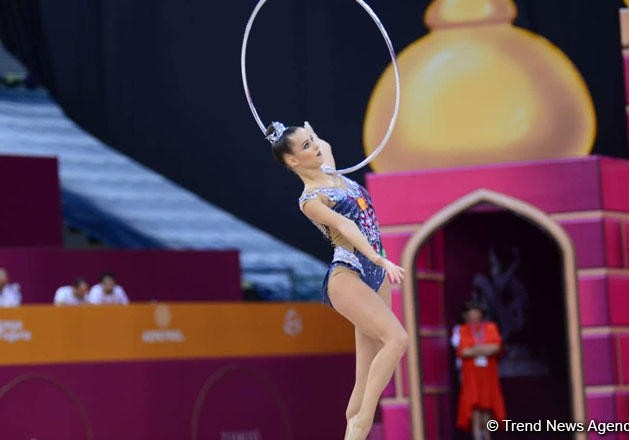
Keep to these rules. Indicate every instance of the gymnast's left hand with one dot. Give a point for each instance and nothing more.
(395, 273)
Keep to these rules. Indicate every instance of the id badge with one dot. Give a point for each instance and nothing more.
(480, 361)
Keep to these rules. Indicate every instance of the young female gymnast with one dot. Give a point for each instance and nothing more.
(355, 285)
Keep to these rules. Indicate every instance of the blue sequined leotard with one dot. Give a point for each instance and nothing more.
(352, 201)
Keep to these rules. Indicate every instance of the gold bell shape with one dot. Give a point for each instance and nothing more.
(478, 90)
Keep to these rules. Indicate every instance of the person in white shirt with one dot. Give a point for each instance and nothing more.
(10, 295)
(455, 340)
(73, 295)
(107, 291)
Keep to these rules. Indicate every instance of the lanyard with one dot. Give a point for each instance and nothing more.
(478, 333)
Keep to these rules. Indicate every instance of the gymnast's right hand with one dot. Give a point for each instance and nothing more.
(395, 273)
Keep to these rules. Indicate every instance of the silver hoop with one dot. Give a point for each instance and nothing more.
(396, 72)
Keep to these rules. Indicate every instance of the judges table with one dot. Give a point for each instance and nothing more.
(174, 370)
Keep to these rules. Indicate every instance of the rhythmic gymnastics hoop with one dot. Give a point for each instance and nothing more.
(374, 17)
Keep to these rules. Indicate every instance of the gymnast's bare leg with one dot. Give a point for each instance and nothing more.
(380, 343)
(366, 350)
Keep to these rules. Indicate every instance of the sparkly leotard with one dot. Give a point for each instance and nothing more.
(352, 201)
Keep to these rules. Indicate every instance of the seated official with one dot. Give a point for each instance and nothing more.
(10, 295)
(73, 295)
(107, 291)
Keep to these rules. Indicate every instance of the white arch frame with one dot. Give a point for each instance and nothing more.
(409, 293)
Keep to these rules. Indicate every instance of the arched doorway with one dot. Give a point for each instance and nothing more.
(526, 214)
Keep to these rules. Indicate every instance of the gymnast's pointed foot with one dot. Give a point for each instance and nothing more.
(358, 428)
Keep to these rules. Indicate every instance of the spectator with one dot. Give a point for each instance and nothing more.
(10, 295)
(480, 398)
(107, 291)
(73, 295)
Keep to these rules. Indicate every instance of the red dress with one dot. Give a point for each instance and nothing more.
(480, 385)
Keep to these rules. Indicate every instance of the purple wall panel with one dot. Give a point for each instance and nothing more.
(424, 261)
(600, 407)
(157, 400)
(439, 251)
(619, 299)
(615, 180)
(609, 436)
(623, 358)
(554, 186)
(622, 406)
(434, 357)
(396, 421)
(145, 274)
(593, 301)
(394, 245)
(431, 417)
(397, 303)
(613, 243)
(589, 242)
(31, 202)
(599, 360)
(39, 407)
(430, 304)
(446, 416)
(376, 432)
(431, 255)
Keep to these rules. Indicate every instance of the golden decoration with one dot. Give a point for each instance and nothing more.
(477, 90)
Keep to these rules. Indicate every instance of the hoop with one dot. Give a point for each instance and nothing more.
(396, 72)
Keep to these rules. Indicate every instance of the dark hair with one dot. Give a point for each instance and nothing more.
(107, 275)
(473, 305)
(282, 146)
(80, 280)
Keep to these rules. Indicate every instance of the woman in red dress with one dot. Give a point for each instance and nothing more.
(481, 397)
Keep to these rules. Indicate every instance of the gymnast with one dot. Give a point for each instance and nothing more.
(357, 284)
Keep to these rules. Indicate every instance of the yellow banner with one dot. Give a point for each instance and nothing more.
(47, 334)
